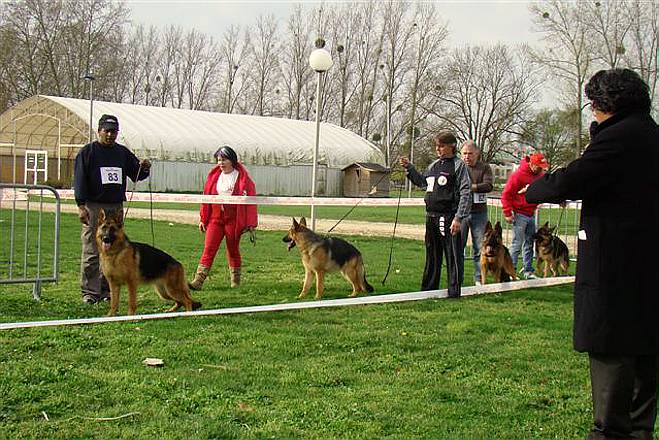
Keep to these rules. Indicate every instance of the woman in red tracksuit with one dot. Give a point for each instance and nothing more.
(218, 221)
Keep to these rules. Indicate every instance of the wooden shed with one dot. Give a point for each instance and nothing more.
(366, 179)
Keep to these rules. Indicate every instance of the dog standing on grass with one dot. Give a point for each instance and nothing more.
(495, 257)
(551, 251)
(126, 262)
(321, 255)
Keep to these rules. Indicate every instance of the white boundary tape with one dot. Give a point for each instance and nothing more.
(262, 200)
(375, 299)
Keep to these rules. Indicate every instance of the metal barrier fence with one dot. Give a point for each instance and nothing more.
(29, 235)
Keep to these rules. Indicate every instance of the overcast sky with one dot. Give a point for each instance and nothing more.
(470, 22)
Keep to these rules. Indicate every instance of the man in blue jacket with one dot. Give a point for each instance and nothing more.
(101, 168)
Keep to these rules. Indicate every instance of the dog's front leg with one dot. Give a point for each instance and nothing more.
(483, 273)
(115, 289)
(308, 276)
(132, 297)
(320, 284)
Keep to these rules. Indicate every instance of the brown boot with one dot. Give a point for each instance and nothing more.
(199, 278)
(235, 276)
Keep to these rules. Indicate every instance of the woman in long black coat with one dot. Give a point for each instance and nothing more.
(616, 319)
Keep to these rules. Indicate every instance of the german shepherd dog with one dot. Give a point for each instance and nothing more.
(495, 257)
(551, 251)
(321, 255)
(126, 262)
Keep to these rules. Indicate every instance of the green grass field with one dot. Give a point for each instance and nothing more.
(498, 366)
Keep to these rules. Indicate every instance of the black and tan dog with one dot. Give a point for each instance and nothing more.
(126, 262)
(551, 251)
(321, 255)
(495, 257)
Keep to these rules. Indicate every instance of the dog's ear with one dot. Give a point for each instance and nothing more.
(295, 223)
(552, 229)
(303, 222)
(117, 215)
(101, 215)
(488, 226)
(497, 229)
(546, 225)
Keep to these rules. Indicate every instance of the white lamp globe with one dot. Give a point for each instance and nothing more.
(320, 60)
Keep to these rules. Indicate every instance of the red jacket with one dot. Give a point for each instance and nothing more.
(245, 215)
(511, 200)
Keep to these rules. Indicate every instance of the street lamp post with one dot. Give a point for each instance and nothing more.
(320, 61)
(90, 77)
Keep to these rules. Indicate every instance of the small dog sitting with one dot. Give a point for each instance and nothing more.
(126, 262)
(495, 257)
(321, 255)
(551, 251)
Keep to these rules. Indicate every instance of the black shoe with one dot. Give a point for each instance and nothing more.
(453, 296)
(89, 299)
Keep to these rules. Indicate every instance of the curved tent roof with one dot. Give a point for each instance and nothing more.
(178, 134)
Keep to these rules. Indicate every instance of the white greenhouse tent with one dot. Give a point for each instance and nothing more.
(40, 137)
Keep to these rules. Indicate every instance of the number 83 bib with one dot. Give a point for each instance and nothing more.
(111, 175)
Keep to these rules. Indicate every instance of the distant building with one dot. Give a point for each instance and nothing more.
(366, 179)
(40, 137)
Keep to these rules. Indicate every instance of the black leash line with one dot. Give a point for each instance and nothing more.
(374, 187)
(393, 235)
(153, 234)
(128, 203)
(139, 168)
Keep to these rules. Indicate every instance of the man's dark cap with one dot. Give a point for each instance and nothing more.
(108, 122)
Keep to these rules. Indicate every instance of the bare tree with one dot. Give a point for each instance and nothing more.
(430, 35)
(486, 96)
(569, 52)
(551, 131)
(295, 70)
(369, 40)
(234, 55)
(607, 21)
(264, 48)
(171, 42)
(642, 53)
(345, 24)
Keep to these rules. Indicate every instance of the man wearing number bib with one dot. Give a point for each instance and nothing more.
(101, 168)
(480, 174)
(447, 204)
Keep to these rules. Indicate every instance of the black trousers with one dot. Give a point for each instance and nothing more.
(440, 243)
(624, 392)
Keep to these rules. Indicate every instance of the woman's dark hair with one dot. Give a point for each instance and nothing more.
(616, 90)
(226, 152)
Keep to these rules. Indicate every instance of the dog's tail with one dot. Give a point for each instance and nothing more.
(367, 287)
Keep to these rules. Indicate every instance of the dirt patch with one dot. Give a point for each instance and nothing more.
(282, 223)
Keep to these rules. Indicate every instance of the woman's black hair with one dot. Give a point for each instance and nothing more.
(226, 152)
(616, 90)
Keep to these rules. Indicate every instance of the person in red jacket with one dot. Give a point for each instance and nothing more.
(220, 221)
(520, 213)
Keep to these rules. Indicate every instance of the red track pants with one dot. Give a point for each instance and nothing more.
(215, 232)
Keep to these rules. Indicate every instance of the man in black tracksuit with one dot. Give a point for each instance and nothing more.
(448, 202)
(101, 168)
